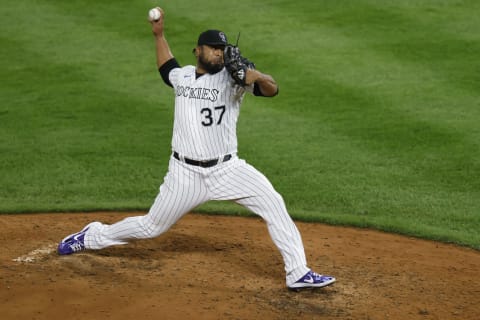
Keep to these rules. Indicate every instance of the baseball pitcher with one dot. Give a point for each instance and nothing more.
(204, 164)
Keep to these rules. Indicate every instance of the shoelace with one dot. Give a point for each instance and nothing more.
(319, 277)
(316, 275)
(76, 246)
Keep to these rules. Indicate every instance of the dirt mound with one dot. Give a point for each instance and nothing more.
(215, 267)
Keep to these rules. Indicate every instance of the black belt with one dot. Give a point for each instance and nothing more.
(202, 163)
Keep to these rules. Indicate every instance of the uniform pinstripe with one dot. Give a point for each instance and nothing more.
(206, 113)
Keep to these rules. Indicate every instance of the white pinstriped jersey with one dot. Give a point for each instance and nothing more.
(206, 113)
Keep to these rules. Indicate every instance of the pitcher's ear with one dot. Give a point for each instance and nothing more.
(195, 51)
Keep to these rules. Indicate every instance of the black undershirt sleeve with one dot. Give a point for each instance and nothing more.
(257, 92)
(166, 68)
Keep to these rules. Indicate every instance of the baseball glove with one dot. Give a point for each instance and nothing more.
(236, 65)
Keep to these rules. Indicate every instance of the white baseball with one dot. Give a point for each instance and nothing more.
(154, 14)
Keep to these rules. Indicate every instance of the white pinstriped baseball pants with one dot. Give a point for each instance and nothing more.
(186, 186)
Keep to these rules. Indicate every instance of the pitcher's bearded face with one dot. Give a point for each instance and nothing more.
(211, 58)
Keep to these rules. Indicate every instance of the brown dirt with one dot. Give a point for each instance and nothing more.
(215, 267)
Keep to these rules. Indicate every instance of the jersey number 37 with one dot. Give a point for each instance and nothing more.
(212, 116)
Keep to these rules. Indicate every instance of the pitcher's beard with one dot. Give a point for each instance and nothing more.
(210, 67)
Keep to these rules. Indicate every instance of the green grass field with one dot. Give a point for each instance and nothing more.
(377, 123)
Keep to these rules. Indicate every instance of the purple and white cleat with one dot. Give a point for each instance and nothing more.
(312, 280)
(74, 242)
